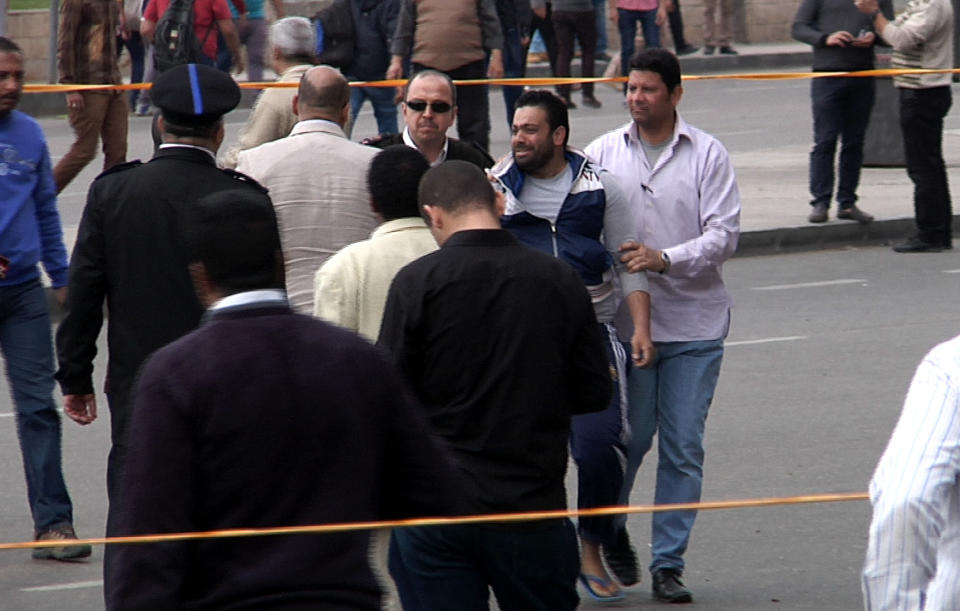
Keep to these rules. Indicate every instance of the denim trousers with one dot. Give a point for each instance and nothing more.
(384, 108)
(134, 45)
(627, 22)
(513, 67)
(600, 9)
(598, 444)
(921, 119)
(28, 354)
(671, 399)
(841, 110)
(529, 566)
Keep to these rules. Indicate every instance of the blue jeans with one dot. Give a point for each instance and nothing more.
(513, 67)
(384, 109)
(600, 8)
(841, 110)
(529, 566)
(921, 120)
(134, 45)
(627, 23)
(28, 354)
(598, 444)
(672, 399)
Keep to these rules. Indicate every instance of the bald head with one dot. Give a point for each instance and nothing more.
(323, 94)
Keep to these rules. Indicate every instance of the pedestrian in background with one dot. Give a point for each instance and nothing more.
(842, 39)
(30, 233)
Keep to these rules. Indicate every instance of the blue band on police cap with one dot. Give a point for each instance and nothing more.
(195, 90)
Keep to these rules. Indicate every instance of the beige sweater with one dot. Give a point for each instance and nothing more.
(922, 37)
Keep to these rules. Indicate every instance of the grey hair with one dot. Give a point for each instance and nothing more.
(295, 38)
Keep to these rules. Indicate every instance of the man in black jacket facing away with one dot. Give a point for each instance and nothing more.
(263, 418)
(501, 346)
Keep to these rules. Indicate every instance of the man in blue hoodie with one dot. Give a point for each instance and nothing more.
(30, 232)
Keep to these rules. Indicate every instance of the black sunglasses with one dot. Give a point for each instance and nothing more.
(437, 107)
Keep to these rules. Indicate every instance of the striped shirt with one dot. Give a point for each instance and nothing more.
(913, 557)
(922, 37)
(87, 42)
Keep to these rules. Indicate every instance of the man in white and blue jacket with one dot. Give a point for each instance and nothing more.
(559, 202)
(30, 232)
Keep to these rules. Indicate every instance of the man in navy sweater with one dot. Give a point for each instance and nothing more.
(30, 232)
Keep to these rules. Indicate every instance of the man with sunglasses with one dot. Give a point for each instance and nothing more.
(429, 109)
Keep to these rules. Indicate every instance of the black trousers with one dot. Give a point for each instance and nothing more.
(568, 26)
(921, 120)
(473, 103)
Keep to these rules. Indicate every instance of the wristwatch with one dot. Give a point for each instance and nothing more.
(665, 258)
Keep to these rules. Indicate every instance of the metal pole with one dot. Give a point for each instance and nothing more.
(54, 26)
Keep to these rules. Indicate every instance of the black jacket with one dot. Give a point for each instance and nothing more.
(456, 149)
(374, 23)
(130, 253)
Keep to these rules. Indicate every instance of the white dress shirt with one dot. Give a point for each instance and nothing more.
(687, 205)
(913, 557)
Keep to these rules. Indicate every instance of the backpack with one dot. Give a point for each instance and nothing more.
(335, 34)
(175, 41)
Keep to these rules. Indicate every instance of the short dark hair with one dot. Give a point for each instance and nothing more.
(393, 178)
(662, 62)
(552, 104)
(234, 233)
(8, 46)
(455, 186)
(435, 73)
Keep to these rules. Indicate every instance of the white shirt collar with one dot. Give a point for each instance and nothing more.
(408, 140)
(266, 296)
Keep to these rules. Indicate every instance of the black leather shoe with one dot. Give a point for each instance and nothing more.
(819, 214)
(591, 102)
(687, 50)
(622, 559)
(854, 214)
(728, 51)
(915, 244)
(709, 49)
(667, 586)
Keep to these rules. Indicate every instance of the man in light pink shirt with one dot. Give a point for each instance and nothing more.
(687, 207)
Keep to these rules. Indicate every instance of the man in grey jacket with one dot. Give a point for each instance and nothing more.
(842, 40)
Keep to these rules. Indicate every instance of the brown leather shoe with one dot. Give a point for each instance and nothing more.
(854, 214)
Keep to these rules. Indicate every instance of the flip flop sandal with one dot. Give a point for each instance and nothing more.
(589, 581)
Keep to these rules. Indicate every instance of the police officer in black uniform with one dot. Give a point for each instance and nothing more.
(130, 250)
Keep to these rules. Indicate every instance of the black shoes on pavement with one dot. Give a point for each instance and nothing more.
(709, 49)
(915, 244)
(591, 102)
(818, 214)
(668, 587)
(725, 50)
(687, 49)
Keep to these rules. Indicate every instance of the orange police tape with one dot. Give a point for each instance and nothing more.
(500, 517)
(520, 82)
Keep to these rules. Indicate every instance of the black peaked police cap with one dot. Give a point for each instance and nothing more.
(191, 94)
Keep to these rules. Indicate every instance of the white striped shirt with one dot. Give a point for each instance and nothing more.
(913, 558)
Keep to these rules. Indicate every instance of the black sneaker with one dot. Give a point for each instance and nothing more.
(728, 51)
(668, 587)
(687, 50)
(915, 244)
(63, 532)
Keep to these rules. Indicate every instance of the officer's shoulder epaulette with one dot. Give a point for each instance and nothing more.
(244, 178)
(120, 167)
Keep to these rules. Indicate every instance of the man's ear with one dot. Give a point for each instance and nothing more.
(433, 216)
(559, 135)
(501, 203)
(295, 104)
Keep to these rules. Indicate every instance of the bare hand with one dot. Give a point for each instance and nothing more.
(495, 69)
(839, 39)
(644, 354)
(395, 71)
(641, 258)
(238, 63)
(82, 409)
(75, 101)
(864, 41)
(661, 16)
